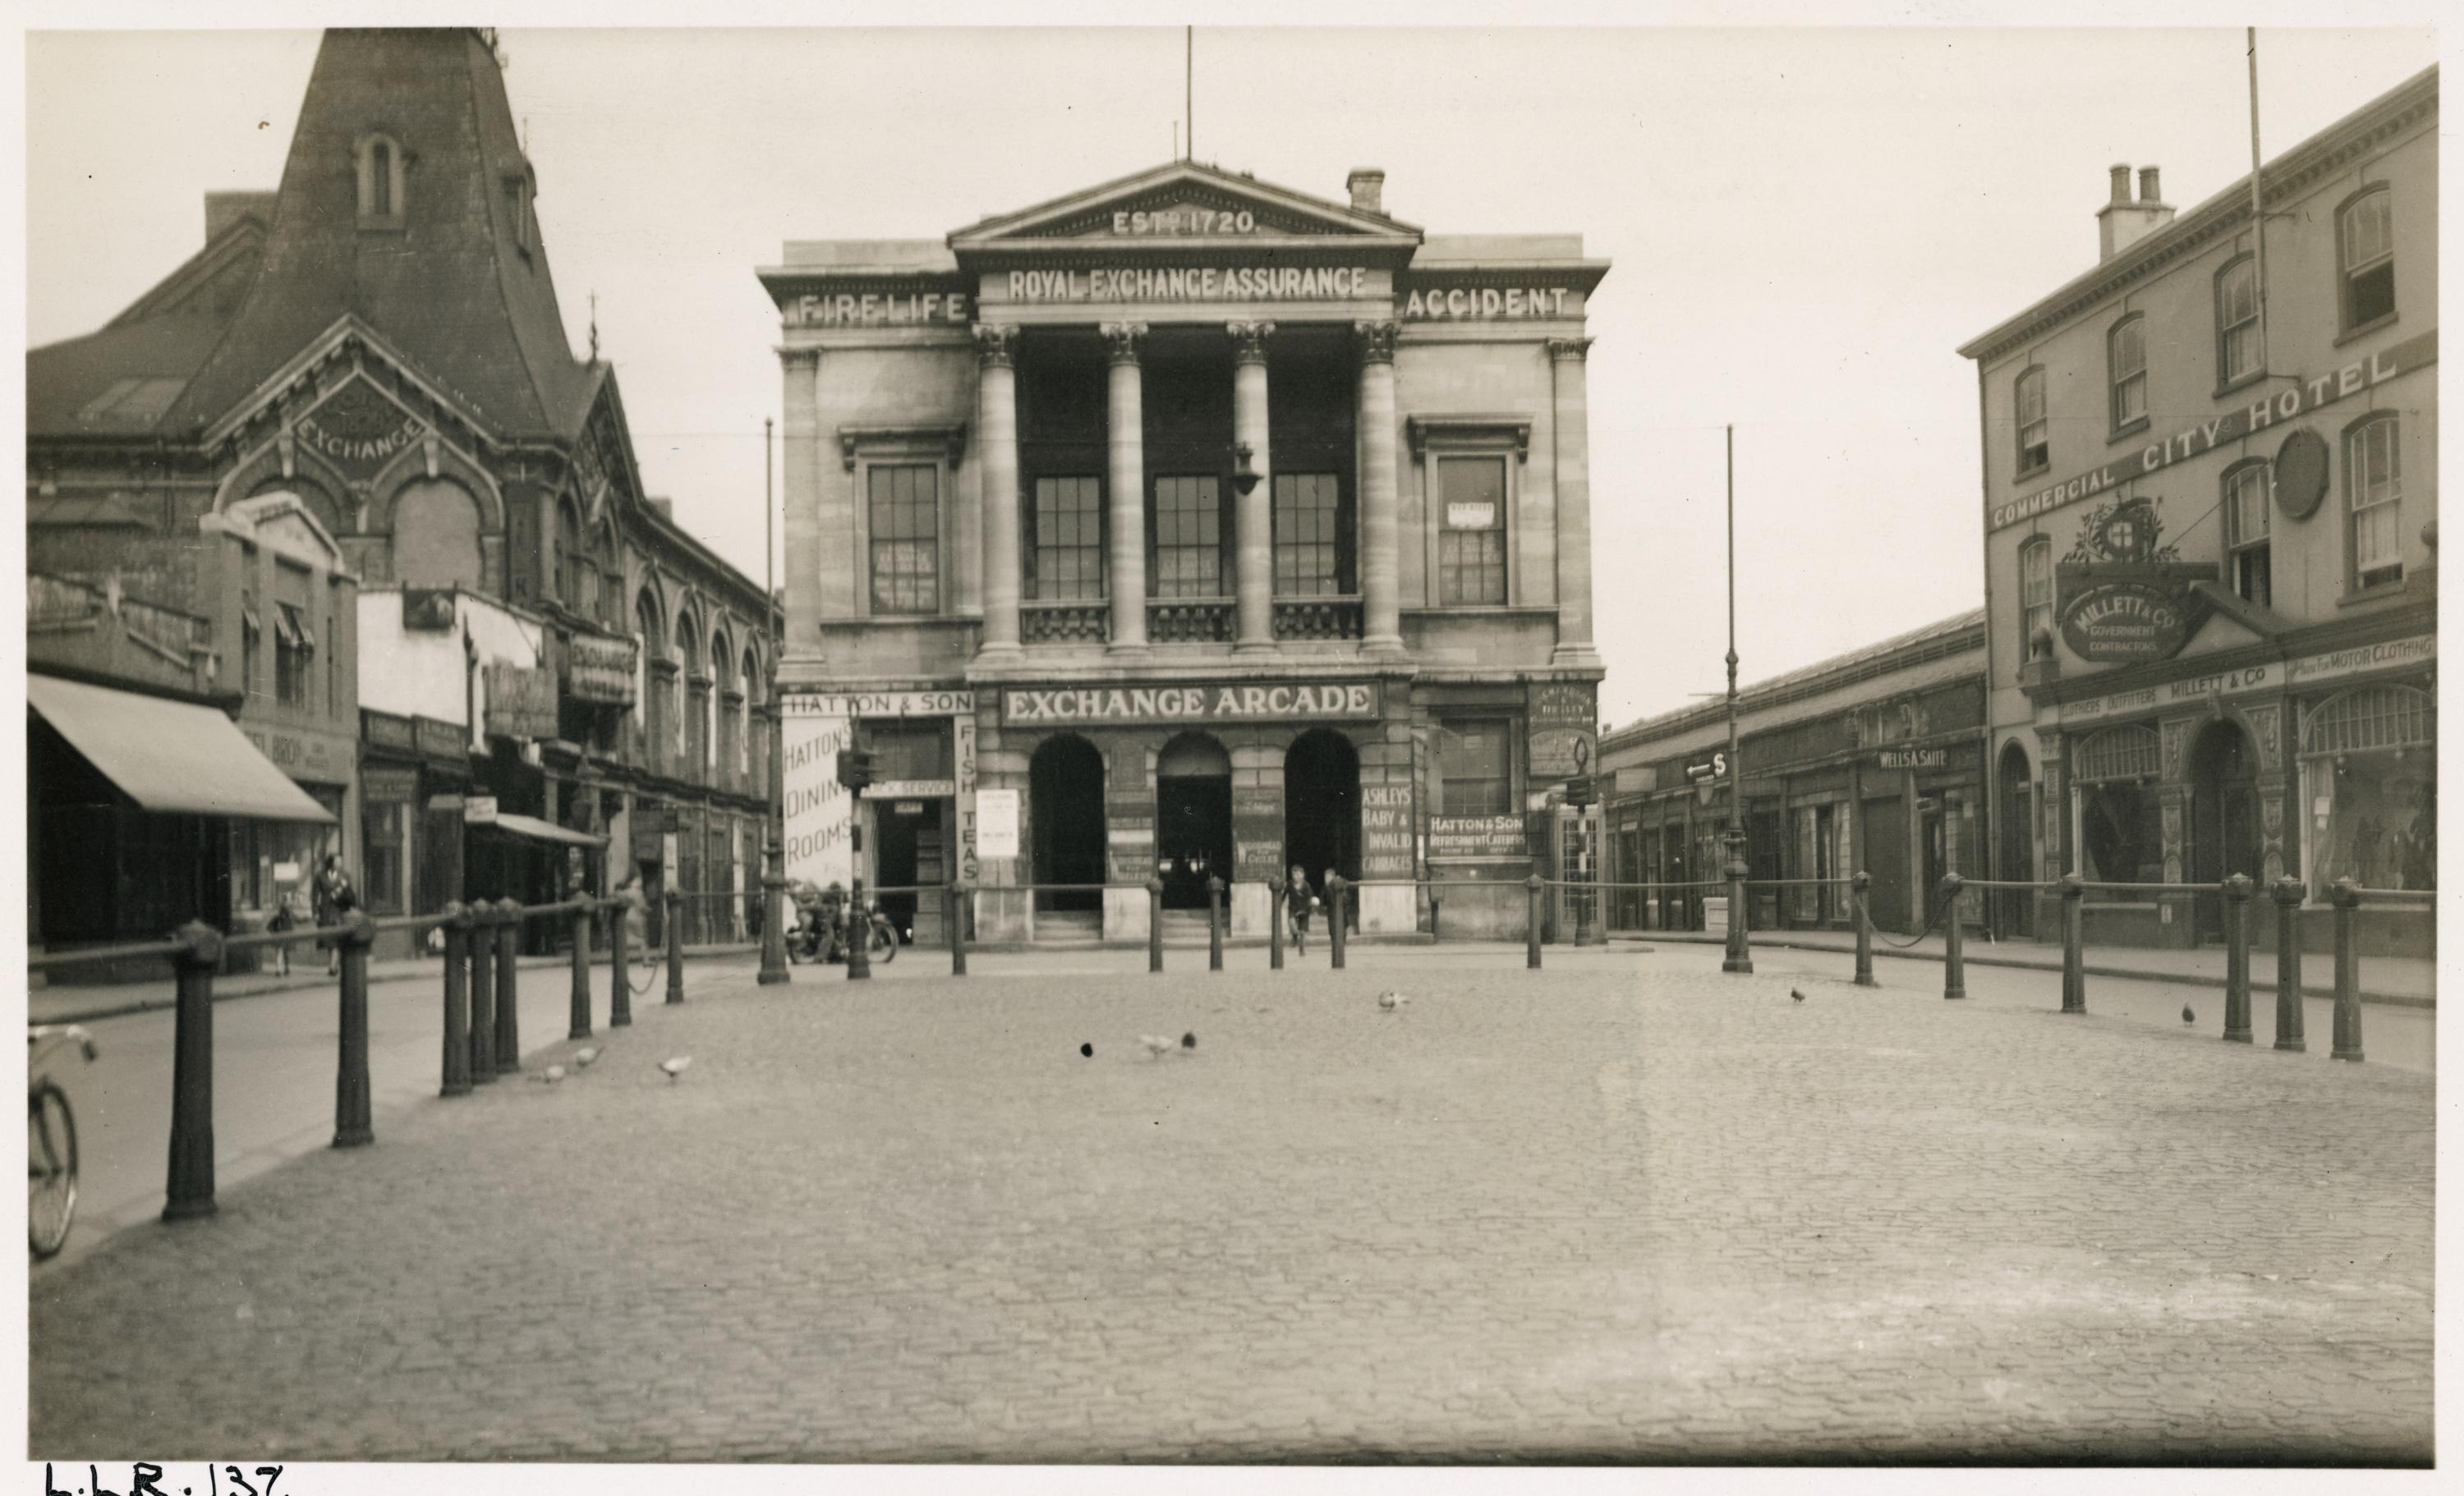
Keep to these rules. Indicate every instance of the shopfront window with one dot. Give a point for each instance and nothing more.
(2121, 824)
(2369, 778)
(382, 832)
(1475, 769)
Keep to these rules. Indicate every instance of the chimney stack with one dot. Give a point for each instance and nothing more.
(2121, 222)
(1368, 187)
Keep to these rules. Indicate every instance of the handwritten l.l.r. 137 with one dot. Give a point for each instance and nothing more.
(150, 1480)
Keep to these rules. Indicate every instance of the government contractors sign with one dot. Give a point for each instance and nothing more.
(1309, 702)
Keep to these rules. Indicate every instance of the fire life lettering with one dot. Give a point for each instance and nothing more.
(360, 448)
(874, 309)
(2302, 397)
(1177, 283)
(1485, 302)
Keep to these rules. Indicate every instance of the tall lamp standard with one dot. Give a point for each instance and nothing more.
(1739, 958)
(773, 858)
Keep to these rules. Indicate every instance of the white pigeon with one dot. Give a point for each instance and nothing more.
(1392, 1000)
(675, 1067)
(1158, 1044)
(583, 1057)
(551, 1075)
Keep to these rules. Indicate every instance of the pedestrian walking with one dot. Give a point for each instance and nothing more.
(637, 916)
(286, 919)
(336, 897)
(1298, 901)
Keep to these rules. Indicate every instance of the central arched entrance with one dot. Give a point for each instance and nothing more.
(2224, 817)
(2016, 912)
(1193, 818)
(1066, 821)
(1321, 806)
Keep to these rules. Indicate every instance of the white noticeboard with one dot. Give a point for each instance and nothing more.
(997, 823)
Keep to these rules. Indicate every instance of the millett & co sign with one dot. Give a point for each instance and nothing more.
(2124, 620)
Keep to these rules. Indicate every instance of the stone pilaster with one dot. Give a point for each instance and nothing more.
(1125, 439)
(1382, 623)
(1566, 359)
(1253, 526)
(800, 571)
(997, 484)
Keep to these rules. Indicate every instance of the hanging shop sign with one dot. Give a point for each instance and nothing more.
(1564, 731)
(2300, 474)
(1704, 771)
(1309, 702)
(428, 610)
(598, 668)
(2268, 410)
(2122, 595)
(522, 701)
(479, 810)
(1478, 836)
(1385, 830)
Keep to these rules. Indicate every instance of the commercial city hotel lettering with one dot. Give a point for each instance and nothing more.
(2267, 409)
(1190, 704)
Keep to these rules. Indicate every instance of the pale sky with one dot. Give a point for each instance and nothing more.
(1804, 225)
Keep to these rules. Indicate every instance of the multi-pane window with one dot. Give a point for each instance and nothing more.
(1068, 550)
(381, 835)
(2368, 241)
(1309, 559)
(905, 521)
(2036, 450)
(2036, 592)
(295, 646)
(1471, 540)
(1475, 769)
(1188, 538)
(2238, 352)
(2126, 363)
(2374, 495)
(2246, 532)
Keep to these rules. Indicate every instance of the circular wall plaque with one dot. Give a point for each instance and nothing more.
(2300, 474)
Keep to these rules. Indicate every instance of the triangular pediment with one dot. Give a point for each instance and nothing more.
(282, 523)
(1177, 204)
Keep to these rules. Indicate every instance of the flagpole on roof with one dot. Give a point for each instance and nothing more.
(2258, 200)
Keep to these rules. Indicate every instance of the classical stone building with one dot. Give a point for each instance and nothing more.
(2210, 502)
(553, 675)
(1192, 527)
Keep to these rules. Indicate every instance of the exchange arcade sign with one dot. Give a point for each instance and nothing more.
(1305, 702)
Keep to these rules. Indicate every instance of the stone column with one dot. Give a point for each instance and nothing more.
(1125, 430)
(1573, 427)
(1254, 562)
(1381, 626)
(997, 457)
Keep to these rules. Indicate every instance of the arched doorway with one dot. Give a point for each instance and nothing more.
(1193, 818)
(2224, 817)
(2015, 910)
(1321, 806)
(1064, 815)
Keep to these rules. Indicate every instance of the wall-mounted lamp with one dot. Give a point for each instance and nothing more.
(1244, 477)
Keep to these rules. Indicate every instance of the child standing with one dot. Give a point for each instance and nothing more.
(1298, 901)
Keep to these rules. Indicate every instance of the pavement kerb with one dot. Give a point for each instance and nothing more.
(258, 985)
(2309, 989)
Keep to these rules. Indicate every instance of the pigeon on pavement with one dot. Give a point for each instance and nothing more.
(2189, 1017)
(583, 1057)
(675, 1067)
(1391, 1002)
(1157, 1044)
(1796, 993)
(551, 1075)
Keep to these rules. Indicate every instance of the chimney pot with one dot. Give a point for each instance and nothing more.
(2148, 192)
(1367, 185)
(2121, 182)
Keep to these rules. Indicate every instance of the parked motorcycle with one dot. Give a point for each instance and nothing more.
(824, 926)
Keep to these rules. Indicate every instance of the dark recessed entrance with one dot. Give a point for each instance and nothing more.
(1066, 821)
(1322, 806)
(2224, 819)
(2016, 912)
(1193, 818)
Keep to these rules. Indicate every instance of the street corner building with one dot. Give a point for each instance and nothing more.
(339, 476)
(2211, 510)
(1185, 528)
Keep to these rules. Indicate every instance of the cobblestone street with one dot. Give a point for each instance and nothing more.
(1625, 1209)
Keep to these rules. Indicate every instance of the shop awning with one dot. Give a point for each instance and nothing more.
(539, 831)
(171, 756)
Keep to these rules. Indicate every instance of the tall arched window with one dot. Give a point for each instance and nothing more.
(756, 766)
(2365, 242)
(2239, 353)
(2247, 567)
(436, 535)
(726, 703)
(381, 181)
(570, 560)
(2028, 404)
(611, 579)
(693, 738)
(2126, 370)
(651, 722)
(2374, 501)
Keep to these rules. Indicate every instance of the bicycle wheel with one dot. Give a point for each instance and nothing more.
(51, 1168)
(884, 946)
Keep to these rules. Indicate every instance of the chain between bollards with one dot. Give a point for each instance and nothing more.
(1154, 924)
(1862, 882)
(509, 1009)
(2287, 894)
(483, 993)
(579, 1026)
(1335, 888)
(352, 1124)
(456, 1080)
(859, 940)
(1954, 962)
(2347, 897)
(2074, 944)
(956, 904)
(2237, 889)
(190, 1192)
(1531, 922)
(677, 946)
(1214, 923)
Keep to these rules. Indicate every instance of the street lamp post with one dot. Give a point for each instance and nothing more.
(774, 856)
(1739, 958)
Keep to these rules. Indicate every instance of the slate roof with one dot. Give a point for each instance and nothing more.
(1855, 664)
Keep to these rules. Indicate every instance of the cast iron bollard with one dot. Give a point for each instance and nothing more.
(351, 1123)
(2287, 894)
(509, 1011)
(581, 1025)
(1336, 889)
(957, 906)
(190, 1192)
(1154, 924)
(677, 946)
(1864, 930)
(1954, 955)
(1437, 912)
(620, 966)
(457, 1001)
(774, 927)
(1274, 927)
(859, 950)
(2347, 897)
(1740, 958)
(1214, 923)
(2074, 944)
(483, 993)
(2237, 960)
(1531, 922)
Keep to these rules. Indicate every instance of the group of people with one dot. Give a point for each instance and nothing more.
(331, 896)
(1300, 902)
